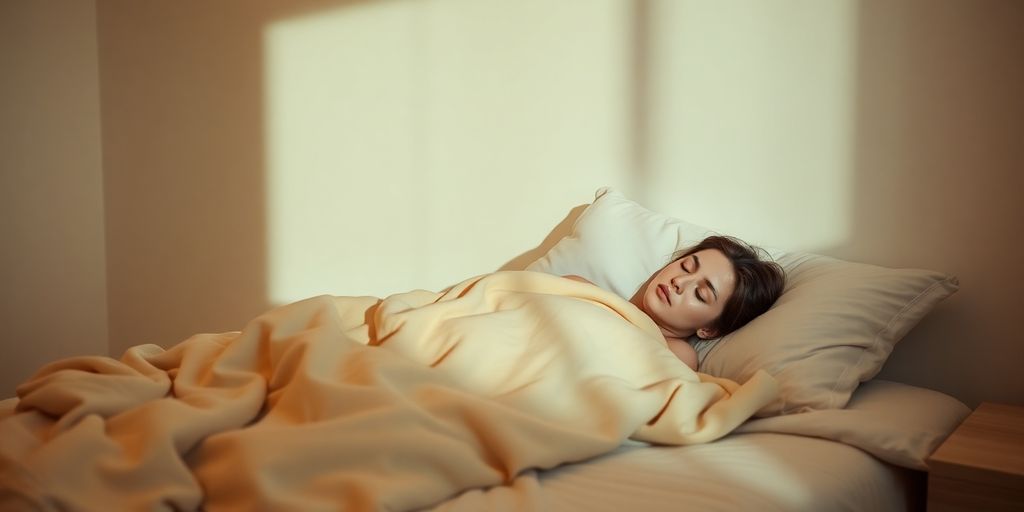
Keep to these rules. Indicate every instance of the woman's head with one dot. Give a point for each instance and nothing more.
(711, 289)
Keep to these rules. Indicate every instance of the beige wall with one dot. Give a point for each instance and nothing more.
(256, 153)
(52, 266)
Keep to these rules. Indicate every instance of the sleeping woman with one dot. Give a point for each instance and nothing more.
(712, 289)
(361, 403)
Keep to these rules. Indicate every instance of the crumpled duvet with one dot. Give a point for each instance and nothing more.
(358, 403)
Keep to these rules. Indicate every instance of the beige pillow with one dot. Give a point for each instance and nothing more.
(895, 422)
(833, 327)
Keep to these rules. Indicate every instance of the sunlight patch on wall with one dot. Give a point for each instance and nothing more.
(414, 144)
(341, 138)
(753, 125)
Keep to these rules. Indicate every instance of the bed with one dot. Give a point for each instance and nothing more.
(508, 391)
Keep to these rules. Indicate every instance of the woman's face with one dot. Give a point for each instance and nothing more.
(689, 293)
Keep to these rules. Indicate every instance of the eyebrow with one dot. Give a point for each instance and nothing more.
(696, 267)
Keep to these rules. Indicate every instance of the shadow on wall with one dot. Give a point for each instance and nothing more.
(937, 181)
(184, 164)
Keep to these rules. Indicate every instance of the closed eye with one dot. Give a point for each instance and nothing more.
(682, 264)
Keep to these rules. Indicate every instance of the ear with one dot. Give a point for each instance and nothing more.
(707, 332)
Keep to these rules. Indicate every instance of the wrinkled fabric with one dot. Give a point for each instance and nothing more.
(358, 403)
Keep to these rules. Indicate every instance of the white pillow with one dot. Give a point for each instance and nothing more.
(834, 326)
(617, 244)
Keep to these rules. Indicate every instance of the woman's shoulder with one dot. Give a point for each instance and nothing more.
(683, 351)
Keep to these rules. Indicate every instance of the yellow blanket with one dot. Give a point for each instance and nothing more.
(354, 403)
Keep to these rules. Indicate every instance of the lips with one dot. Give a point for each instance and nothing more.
(663, 293)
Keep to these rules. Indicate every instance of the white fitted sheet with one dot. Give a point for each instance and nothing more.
(763, 471)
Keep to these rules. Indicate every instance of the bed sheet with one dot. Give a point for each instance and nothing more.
(764, 471)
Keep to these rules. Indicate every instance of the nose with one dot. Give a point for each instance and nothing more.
(679, 282)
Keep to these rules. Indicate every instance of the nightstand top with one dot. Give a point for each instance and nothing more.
(987, 447)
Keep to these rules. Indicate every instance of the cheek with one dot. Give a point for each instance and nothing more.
(700, 312)
(690, 311)
(715, 312)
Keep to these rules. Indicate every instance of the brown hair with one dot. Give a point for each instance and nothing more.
(759, 282)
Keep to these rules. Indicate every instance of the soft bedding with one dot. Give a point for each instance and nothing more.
(359, 403)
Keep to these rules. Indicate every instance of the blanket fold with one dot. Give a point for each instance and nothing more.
(358, 403)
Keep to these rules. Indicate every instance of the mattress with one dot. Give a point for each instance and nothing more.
(762, 471)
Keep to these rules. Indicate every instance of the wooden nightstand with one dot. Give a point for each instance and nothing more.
(981, 465)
